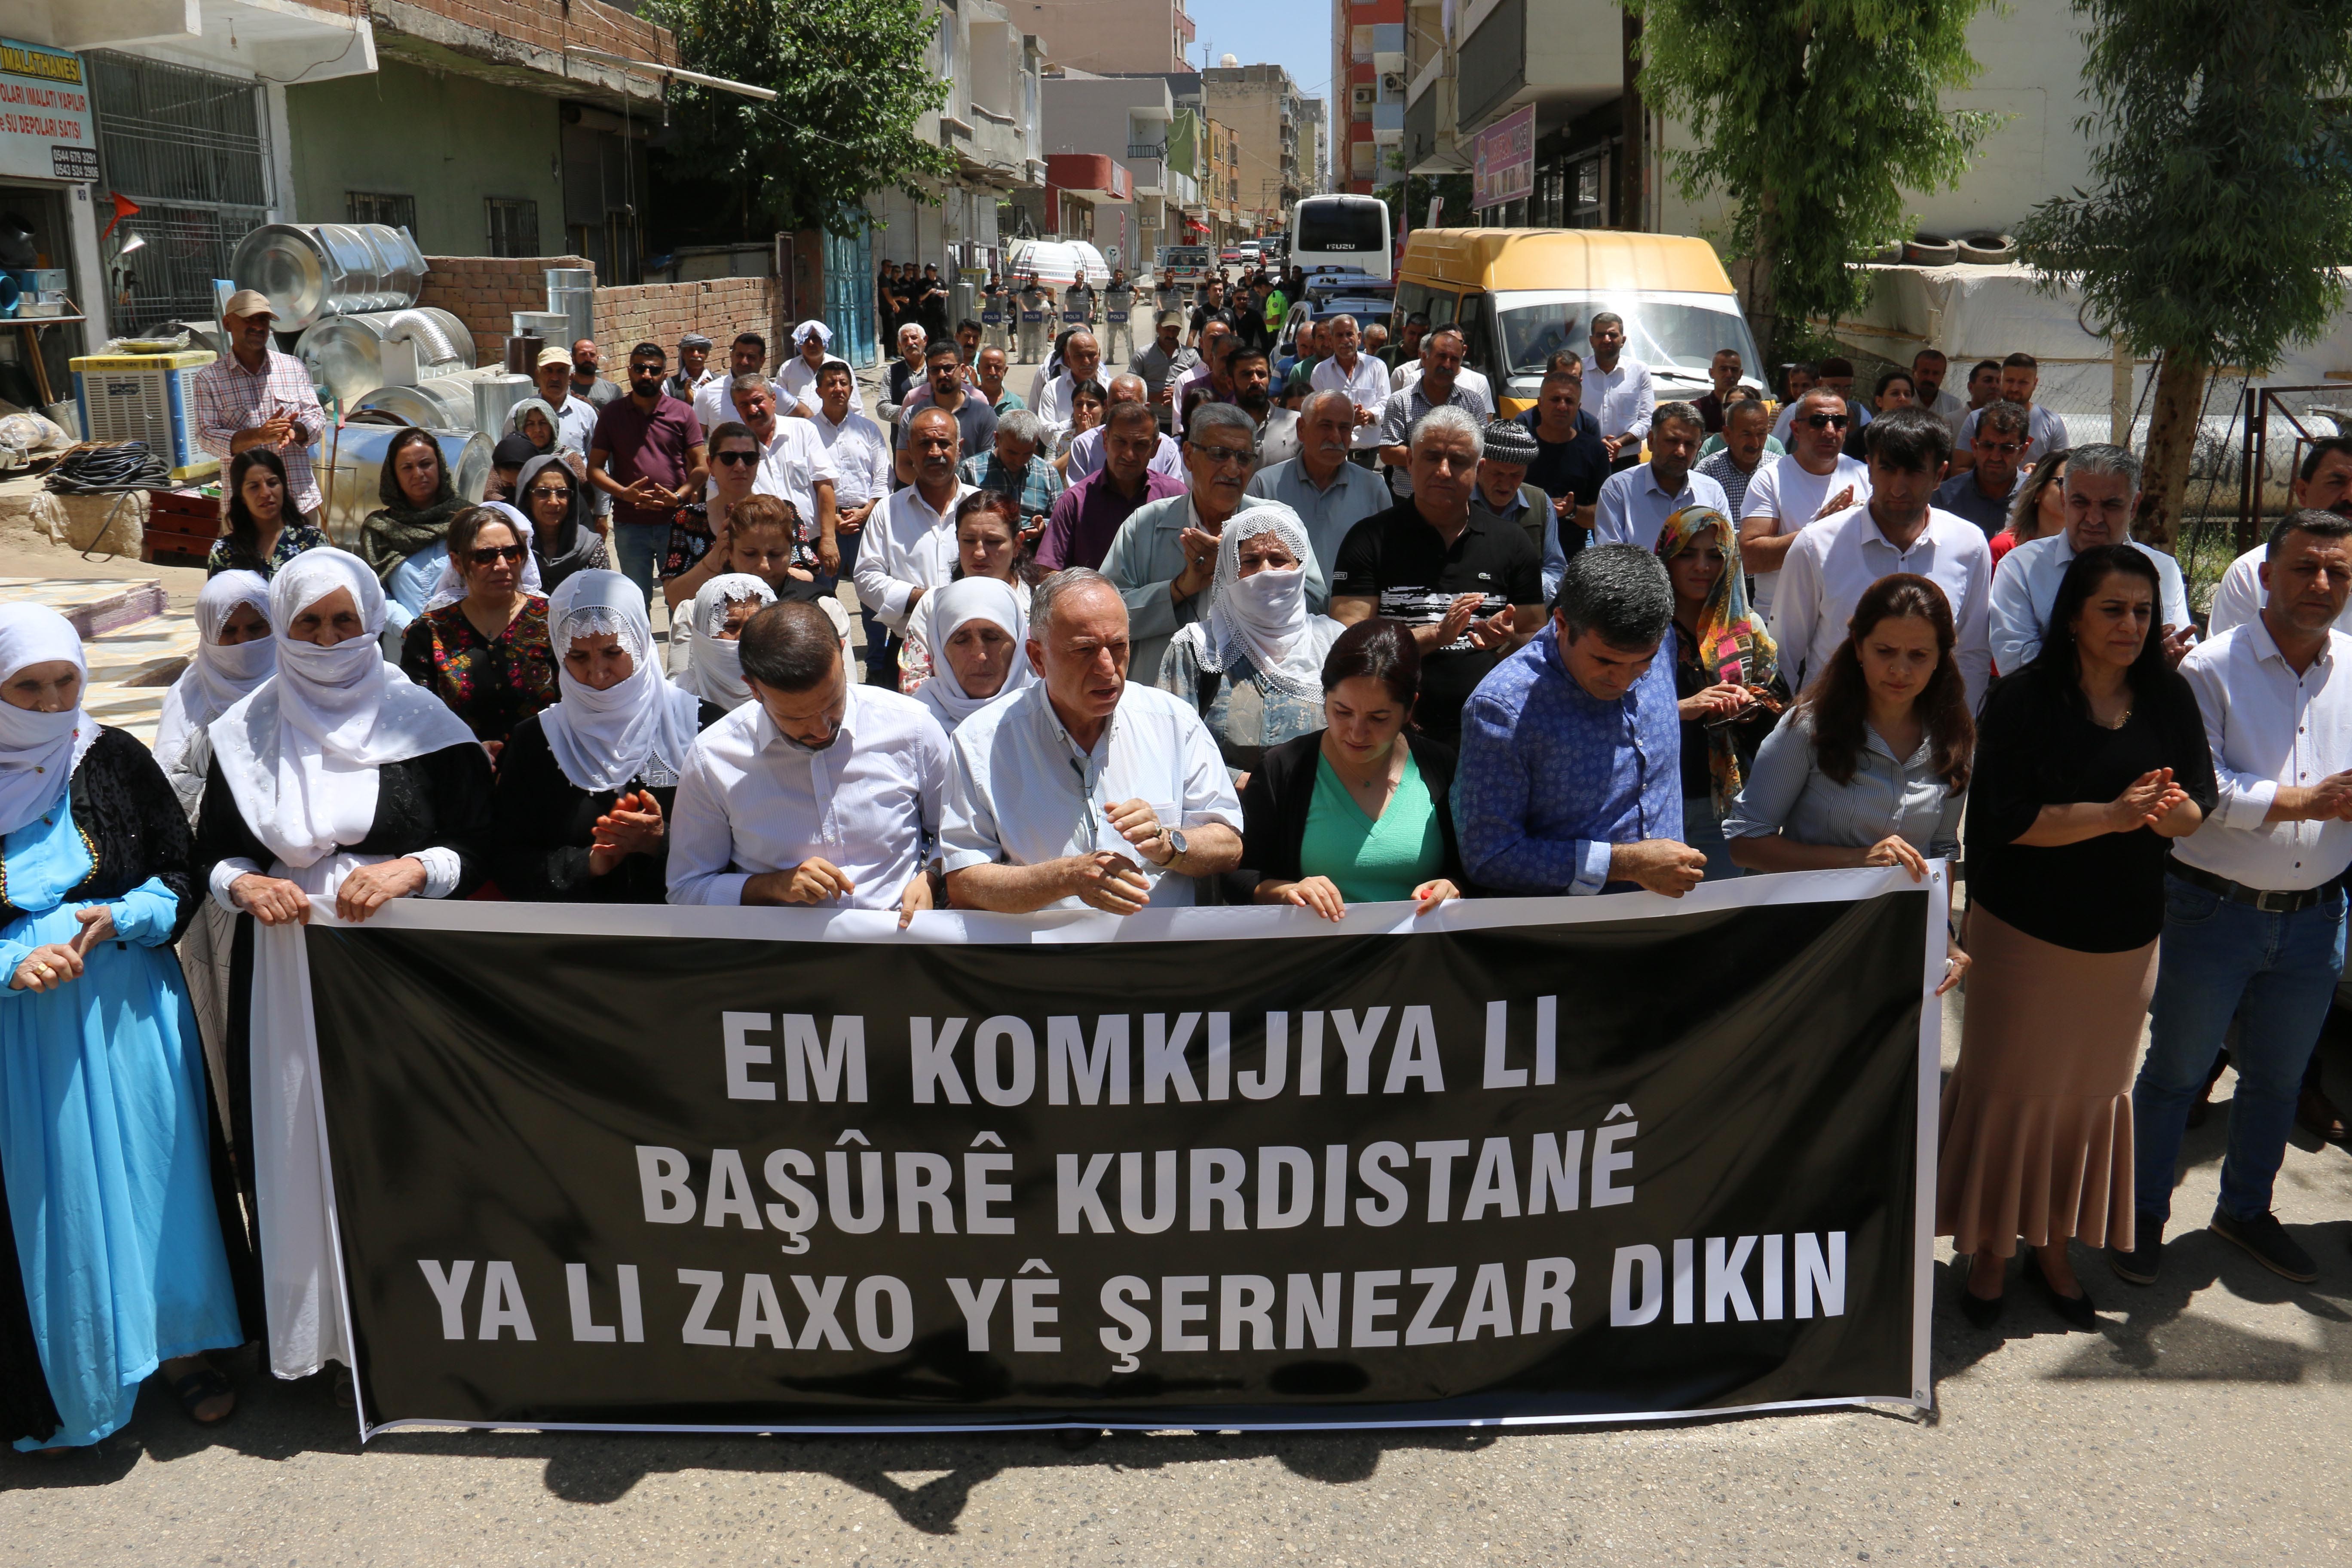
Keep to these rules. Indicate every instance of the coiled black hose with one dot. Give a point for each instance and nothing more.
(107, 470)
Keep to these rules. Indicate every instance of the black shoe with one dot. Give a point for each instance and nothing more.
(2268, 1241)
(1982, 1312)
(2141, 1264)
(2076, 1310)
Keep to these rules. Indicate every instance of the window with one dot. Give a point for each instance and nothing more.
(512, 223)
(375, 206)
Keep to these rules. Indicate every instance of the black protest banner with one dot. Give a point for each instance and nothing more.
(1527, 1159)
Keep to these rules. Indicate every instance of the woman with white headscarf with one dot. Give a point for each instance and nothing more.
(982, 630)
(117, 1263)
(234, 655)
(585, 787)
(338, 778)
(797, 375)
(1253, 667)
(715, 668)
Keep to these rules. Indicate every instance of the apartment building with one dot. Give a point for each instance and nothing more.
(1368, 93)
(1107, 36)
(1259, 103)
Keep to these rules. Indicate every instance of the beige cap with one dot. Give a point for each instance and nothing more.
(554, 356)
(249, 302)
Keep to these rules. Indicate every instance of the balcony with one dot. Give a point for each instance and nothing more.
(1388, 122)
(1507, 62)
(282, 39)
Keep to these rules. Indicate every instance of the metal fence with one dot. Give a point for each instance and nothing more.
(192, 149)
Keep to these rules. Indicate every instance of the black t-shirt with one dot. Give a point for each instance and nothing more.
(1578, 468)
(1203, 314)
(1396, 558)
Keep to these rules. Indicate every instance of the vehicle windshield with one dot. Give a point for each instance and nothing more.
(1661, 334)
(1342, 225)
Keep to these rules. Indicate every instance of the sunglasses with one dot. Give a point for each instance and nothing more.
(733, 459)
(551, 492)
(1827, 421)
(492, 554)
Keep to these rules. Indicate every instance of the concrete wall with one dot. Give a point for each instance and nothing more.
(1106, 35)
(450, 140)
(484, 292)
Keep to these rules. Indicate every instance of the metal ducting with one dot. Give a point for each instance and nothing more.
(346, 353)
(311, 272)
(355, 487)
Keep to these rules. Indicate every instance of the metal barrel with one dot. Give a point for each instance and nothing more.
(572, 294)
(443, 402)
(346, 353)
(310, 271)
(355, 487)
(495, 397)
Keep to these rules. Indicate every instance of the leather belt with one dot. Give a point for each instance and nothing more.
(2269, 902)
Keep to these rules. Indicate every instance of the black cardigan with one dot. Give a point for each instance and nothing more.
(542, 825)
(1276, 801)
(441, 798)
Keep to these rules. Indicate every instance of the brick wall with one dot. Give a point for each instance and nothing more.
(504, 28)
(484, 292)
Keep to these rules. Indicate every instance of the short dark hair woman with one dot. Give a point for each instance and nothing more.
(1357, 810)
(2089, 761)
(264, 529)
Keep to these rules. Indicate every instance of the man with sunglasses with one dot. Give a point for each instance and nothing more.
(1814, 478)
(1984, 493)
(647, 456)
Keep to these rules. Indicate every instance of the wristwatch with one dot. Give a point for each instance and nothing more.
(1175, 839)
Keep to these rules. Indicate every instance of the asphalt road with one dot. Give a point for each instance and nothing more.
(2205, 1424)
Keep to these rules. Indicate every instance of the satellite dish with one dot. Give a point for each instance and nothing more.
(1229, 59)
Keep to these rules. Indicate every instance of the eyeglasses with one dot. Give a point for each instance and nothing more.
(492, 554)
(1827, 421)
(551, 492)
(2000, 448)
(734, 457)
(1226, 456)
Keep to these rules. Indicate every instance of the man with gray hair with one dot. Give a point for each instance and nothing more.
(795, 467)
(1050, 801)
(2102, 496)
(1011, 467)
(1164, 556)
(1571, 777)
(1329, 493)
(1471, 591)
(1635, 502)
(1437, 386)
(1362, 379)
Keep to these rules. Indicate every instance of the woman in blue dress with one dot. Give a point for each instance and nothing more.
(114, 1168)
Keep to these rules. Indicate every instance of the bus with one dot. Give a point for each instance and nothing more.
(1341, 231)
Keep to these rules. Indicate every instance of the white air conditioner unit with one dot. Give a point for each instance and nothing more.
(1364, 96)
(1393, 83)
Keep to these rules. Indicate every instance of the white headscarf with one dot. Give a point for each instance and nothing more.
(823, 333)
(602, 739)
(962, 601)
(450, 586)
(217, 677)
(38, 752)
(715, 664)
(300, 752)
(1263, 616)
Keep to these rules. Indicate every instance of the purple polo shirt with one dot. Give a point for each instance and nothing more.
(648, 445)
(1087, 515)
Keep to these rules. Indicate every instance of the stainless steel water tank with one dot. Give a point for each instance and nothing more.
(572, 294)
(314, 270)
(346, 353)
(495, 397)
(444, 403)
(553, 327)
(355, 487)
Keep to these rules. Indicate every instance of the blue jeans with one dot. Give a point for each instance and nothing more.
(2276, 974)
(641, 546)
(1702, 831)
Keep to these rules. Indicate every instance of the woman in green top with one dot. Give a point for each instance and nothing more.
(1356, 811)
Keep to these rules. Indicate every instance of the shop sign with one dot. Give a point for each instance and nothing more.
(46, 126)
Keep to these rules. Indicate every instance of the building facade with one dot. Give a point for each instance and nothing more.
(1106, 36)
(1259, 103)
(1086, 114)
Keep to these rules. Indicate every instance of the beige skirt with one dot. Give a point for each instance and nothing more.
(2037, 1119)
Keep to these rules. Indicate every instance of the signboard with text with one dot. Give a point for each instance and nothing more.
(46, 130)
(1506, 166)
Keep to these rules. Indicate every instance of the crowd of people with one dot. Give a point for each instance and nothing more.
(1188, 673)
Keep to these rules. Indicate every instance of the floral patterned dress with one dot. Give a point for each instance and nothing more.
(292, 540)
(492, 683)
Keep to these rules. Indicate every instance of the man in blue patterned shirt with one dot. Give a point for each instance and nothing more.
(1014, 467)
(1570, 774)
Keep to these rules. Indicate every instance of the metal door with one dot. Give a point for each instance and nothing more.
(849, 293)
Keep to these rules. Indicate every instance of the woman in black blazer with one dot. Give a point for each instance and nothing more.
(1346, 813)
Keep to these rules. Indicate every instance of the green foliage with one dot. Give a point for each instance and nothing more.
(1815, 117)
(2223, 198)
(852, 80)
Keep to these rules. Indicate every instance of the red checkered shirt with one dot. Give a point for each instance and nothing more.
(230, 398)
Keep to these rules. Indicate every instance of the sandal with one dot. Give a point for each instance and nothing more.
(206, 1383)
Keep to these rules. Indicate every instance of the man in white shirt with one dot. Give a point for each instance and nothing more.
(1407, 376)
(2102, 496)
(2253, 924)
(1081, 359)
(861, 465)
(748, 355)
(2323, 484)
(796, 378)
(2020, 373)
(1086, 790)
(1834, 373)
(909, 547)
(1087, 447)
(1835, 562)
(795, 466)
(575, 416)
(1929, 369)
(1618, 391)
(1814, 479)
(1364, 379)
(1635, 502)
(816, 792)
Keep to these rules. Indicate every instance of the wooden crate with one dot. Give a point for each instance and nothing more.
(181, 528)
